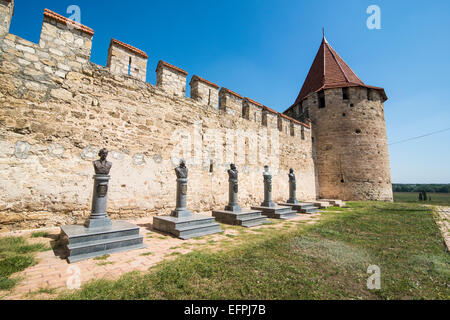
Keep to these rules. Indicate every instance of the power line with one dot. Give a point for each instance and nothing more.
(418, 137)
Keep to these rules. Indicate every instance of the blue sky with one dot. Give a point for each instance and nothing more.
(263, 49)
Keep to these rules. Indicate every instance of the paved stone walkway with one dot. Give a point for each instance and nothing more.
(443, 221)
(53, 272)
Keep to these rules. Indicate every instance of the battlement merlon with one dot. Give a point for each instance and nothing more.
(65, 38)
(252, 110)
(171, 79)
(204, 91)
(65, 46)
(6, 13)
(124, 59)
(230, 102)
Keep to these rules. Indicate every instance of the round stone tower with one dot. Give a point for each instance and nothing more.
(348, 130)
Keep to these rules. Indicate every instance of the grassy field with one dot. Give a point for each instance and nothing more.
(16, 254)
(436, 198)
(327, 260)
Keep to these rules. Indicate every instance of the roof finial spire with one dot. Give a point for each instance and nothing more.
(323, 34)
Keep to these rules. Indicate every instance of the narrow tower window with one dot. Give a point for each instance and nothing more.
(321, 99)
(369, 94)
(264, 118)
(345, 94)
(129, 67)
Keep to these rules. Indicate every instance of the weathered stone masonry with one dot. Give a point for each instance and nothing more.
(57, 109)
(350, 148)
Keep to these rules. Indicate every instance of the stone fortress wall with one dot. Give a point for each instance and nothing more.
(350, 145)
(57, 109)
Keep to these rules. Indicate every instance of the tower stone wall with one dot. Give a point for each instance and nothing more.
(350, 144)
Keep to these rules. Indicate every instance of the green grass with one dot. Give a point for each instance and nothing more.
(42, 291)
(39, 234)
(16, 255)
(327, 260)
(105, 263)
(413, 197)
(104, 257)
(175, 253)
(146, 254)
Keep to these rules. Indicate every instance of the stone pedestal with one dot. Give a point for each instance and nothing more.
(268, 192)
(99, 235)
(277, 212)
(268, 207)
(181, 210)
(233, 213)
(99, 217)
(185, 228)
(245, 218)
(292, 189)
(334, 202)
(233, 205)
(84, 243)
(301, 207)
(321, 204)
(182, 223)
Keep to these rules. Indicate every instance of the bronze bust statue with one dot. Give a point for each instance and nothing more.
(266, 173)
(232, 172)
(233, 176)
(102, 166)
(292, 178)
(182, 171)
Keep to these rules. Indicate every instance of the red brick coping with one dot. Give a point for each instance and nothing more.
(131, 48)
(59, 18)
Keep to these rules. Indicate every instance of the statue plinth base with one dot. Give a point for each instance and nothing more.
(269, 203)
(98, 223)
(99, 216)
(83, 243)
(276, 212)
(301, 207)
(187, 227)
(233, 208)
(99, 235)
(181, 213)
(244, 218)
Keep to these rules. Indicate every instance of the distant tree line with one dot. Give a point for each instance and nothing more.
(430, 188)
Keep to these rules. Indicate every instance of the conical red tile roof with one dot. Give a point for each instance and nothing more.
(329, 70)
